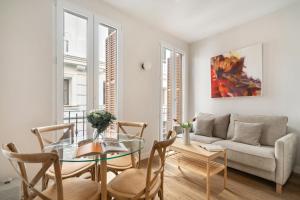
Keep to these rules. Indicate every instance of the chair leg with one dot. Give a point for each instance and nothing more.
(93, 173)
(45, 181)
(161, 190)
(278, 188)
(161, 194)
(109, 197)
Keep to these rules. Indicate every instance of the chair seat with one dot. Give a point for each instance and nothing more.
(75, 189)
(120, 163)
(71, 168)
(130, 183)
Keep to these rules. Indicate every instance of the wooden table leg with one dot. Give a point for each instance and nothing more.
(103, 175)
(225, 169)
(96, 172)
(207, 180)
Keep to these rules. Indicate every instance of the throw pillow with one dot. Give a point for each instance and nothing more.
(247, 133)
(204, 127)
(221, 123)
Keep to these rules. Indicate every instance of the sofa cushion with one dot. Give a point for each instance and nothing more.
(261, 157)
(203, 139)
(274, 126)
(204, 126)
(247, 133)
(221, 123)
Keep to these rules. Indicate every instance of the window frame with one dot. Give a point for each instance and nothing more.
(103, 20)
(69, 97)
(92, 76)
(174, 50)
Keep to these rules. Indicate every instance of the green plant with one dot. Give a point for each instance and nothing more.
(187, 124)
(100, 120)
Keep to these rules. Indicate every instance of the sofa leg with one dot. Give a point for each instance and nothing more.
(278, 188)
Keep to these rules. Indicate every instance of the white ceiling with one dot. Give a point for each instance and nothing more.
(192, 20)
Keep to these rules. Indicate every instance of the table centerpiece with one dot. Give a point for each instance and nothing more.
(100, 120)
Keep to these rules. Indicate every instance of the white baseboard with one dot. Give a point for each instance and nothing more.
(297, 169)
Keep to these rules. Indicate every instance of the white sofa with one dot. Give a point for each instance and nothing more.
(272, 160)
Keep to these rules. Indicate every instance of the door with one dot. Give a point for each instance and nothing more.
(171, 88)
(87, 67)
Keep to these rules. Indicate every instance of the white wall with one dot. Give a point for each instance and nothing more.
(27, 78)
(26, 69)
(279, 33)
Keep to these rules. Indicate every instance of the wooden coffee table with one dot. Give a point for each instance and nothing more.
(202, 160)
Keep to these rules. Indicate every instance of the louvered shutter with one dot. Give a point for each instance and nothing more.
(169, 94)
(178, 88)
(110, 71)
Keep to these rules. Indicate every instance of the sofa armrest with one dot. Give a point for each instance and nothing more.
(285, 153)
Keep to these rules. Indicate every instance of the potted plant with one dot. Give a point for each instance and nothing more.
(186, 126)
(100, 120)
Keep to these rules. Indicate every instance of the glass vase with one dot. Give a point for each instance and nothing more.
(96, 135)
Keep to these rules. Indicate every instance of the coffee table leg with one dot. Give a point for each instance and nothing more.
(225, 169)
(207, 180)
(103, 175)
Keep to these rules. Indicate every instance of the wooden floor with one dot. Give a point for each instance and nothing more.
(187, 185)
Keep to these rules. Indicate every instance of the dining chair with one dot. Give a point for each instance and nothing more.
(143, 183)
(71, 169)
(126, 162)
(67, 189)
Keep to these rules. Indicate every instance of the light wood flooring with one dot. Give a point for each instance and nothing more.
(187, 185)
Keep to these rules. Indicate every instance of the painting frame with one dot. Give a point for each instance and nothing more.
(237, 73)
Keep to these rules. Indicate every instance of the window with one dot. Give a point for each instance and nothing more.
(87, 66)
(171, 87)
(66, 91)
(75, 59)
(166, 106)
(107, 37)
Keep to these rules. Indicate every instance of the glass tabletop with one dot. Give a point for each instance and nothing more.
(67, 148)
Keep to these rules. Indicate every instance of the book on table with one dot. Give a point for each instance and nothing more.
(89, 149)
(211, 147)
(106, 146)
(113, 146)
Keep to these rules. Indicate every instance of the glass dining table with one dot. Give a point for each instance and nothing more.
(67, 151)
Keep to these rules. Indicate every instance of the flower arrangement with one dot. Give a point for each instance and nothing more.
(186, 130)
(100, 120)
(187, 124)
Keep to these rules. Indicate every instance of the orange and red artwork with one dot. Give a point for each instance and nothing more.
(237, 73)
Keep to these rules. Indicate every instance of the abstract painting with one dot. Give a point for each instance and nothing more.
(237, 73)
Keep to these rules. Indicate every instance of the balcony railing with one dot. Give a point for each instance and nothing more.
(77, 115)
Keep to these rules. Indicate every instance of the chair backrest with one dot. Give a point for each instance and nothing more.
(41, 131)
(18, 161)
(122, 124)
(159, 147)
